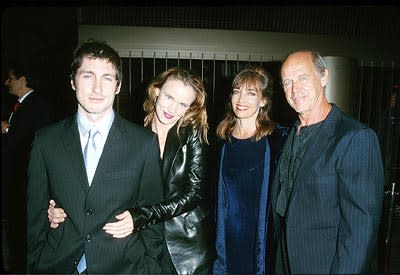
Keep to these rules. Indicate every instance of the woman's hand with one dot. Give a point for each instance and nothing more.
(55, 215)
(122, 228)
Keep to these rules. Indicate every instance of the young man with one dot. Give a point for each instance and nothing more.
(96, 166)
(329, 186)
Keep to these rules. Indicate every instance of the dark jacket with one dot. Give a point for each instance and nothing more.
(128, 174)
(33, 113)
(188, 222)
(333, 212)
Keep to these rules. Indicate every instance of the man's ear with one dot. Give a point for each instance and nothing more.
(324, 78)
(118, 89)
(73, 85)
(22, 78)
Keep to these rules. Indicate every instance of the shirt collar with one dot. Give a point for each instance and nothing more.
(103, 126)
(24, 96)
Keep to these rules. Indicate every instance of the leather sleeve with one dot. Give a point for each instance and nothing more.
(193, 170)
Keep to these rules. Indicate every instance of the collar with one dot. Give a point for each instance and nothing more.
(103, 126)
(24, 96)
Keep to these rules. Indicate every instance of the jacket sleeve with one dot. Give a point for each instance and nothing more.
(186, 199)
(361, 183)
(37, 200)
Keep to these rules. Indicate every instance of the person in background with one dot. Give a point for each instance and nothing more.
(251, 148)
(7, 102)
(176, 112)
(96, 165)
(29, 113)
(329, 185)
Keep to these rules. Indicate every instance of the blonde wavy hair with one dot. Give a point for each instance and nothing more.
(196, 115)
(258, 77)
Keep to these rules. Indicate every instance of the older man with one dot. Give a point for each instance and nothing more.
(329, 186)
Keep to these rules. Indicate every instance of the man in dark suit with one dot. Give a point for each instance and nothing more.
(30, 112)
(121, 172)
(328, 192)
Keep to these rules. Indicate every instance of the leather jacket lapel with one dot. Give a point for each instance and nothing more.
(172, 145)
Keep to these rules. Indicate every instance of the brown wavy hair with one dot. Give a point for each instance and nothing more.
(263, 83)
(196, 115)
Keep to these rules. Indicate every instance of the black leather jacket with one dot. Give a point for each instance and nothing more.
(189, 224)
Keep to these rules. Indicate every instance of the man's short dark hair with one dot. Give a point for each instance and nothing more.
(22, 71)
(96, 49)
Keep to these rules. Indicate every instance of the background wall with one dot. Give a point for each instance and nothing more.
(234, 44)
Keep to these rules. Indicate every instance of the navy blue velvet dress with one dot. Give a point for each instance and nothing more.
(243, 168)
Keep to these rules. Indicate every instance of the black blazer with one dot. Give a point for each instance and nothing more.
(128, 175)
(186, 211)
(32, 114)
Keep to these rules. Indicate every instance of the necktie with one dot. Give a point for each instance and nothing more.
(16, 106)
(81, 265)
(14, 109)
(92, 153)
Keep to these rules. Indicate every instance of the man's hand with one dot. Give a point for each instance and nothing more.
(4, 126)
(55, 215)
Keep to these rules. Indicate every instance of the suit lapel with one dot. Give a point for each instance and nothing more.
(113, 142)
(317, 147)
(73, 150)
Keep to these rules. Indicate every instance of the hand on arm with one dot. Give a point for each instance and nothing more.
(122, 228)
(55, 215)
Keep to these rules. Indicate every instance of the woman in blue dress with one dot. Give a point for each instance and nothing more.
(251, 147)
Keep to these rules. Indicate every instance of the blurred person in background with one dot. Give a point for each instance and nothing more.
(29, 113)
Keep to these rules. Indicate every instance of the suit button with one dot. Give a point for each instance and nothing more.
(89, 211)
(88, 238)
